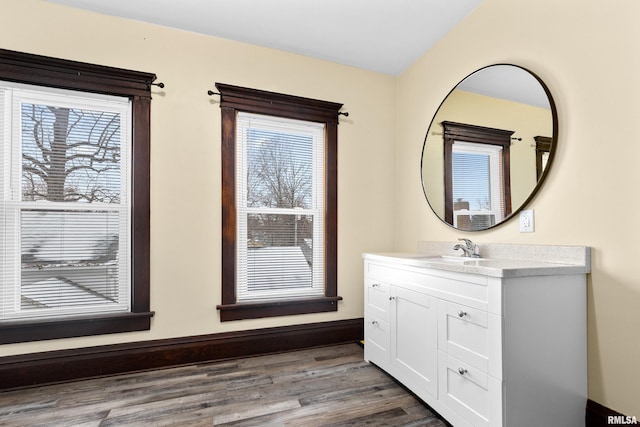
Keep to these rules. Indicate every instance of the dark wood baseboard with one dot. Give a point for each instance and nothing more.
(68, 365)
(598, 416)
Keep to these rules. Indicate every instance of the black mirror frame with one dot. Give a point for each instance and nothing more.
(550, 144)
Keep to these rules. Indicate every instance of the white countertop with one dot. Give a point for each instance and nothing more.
(497, 260)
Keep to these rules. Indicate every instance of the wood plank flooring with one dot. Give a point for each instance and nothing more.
(328, 386)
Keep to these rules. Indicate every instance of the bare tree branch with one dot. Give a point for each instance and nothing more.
(69, 149)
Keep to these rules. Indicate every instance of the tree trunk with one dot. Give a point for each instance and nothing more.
(56, 175)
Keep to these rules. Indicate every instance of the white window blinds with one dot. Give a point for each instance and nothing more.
(478, 200)
(280, 211)
(64, 202)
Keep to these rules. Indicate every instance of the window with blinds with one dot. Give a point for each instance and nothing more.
(65, 202)
(478, 201)
(280, 207)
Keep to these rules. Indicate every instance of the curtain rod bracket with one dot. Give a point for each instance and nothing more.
(211, 93)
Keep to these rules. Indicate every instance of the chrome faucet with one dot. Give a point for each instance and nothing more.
(469, 248)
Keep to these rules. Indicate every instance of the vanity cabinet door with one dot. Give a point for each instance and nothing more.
(414, 353)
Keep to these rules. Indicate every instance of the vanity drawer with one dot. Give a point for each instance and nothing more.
(377, 298)
(464, 333)
(377, 340)
(468, 289)
(470, 392)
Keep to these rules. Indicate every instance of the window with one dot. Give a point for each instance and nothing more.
(65, 203)
(74, 199)
(477, 177)
(477, 185)
(280, 208)
(279, 204)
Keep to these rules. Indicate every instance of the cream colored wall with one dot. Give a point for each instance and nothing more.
(185, 154)
(587, 53)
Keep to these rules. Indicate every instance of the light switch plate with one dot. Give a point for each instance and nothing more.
(526, 221)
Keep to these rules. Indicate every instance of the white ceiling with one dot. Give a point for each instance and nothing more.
(507, 82)
(384, 36)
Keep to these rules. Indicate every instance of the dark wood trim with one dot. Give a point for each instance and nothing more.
(234, 99)
(597, 415)
(46, 71)
(81, 326)
(331, 210)
(68, 365)
(228, 117)
(64, 74)
(141, 205)
(241, 311)
(480, 135)
(277, 104)
(543, 145)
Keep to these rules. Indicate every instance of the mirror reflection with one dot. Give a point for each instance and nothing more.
(488, 147)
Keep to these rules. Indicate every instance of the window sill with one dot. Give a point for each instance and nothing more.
(255, 310)
(69, 327)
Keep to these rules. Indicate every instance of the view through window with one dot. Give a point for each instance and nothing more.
(281, 205)
(66, 203)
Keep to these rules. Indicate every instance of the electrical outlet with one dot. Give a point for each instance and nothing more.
(526, 221)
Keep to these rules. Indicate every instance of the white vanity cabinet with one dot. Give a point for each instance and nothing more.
(481, 346)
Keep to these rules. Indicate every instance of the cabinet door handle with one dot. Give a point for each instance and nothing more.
(392, 298)
(374, 322)
(375, 285)
(462, 313)
(462, 371)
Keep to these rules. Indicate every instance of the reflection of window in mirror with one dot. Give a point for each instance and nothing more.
(477, 177)
(543, 148)
(477, 185)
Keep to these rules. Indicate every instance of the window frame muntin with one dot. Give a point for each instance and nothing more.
(59, 73)
(234, 99)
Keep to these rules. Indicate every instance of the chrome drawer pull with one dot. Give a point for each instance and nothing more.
(462, 371)
(462, 313)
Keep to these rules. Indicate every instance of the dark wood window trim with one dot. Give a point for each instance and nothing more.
(481, 135)
(543, 145)
(234, 99)
(59, 73)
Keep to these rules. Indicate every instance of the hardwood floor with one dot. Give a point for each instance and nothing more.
(328, 386)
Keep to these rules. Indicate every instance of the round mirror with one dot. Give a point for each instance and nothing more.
(489, 147)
